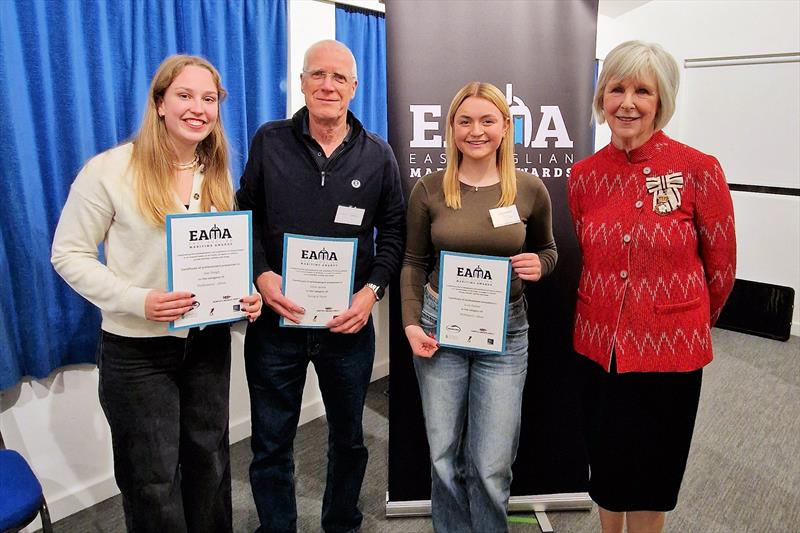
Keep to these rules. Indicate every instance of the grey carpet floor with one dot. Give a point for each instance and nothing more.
(743, 472)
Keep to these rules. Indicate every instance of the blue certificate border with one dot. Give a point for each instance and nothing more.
(168, 229)
(442, 255)
(289, 324)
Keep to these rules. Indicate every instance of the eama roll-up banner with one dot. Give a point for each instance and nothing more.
(542, 55)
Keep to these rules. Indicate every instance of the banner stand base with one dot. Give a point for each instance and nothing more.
(567, 501)
(544, 522)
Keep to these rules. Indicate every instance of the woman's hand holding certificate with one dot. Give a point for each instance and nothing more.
(528, 266)
(163, 306)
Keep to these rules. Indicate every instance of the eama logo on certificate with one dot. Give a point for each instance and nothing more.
(213, 234)
(477, 273)
(318, 255)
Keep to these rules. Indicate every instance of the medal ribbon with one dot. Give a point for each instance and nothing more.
(669, 184)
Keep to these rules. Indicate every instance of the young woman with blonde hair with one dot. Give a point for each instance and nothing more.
(471, 399)
(165, 394)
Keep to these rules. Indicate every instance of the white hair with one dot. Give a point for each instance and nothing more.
(631, 59)
(331, 43)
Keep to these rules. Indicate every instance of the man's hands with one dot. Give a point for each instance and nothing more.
(355, 318)
(350, 321)
(269, 285)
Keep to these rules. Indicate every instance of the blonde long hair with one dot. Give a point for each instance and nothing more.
(153, 157)
(505, 152)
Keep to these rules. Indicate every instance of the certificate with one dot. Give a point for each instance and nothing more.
(318, 275)
(210, 255)
(473, 301)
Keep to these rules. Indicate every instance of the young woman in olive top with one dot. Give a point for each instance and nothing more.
(471, 399)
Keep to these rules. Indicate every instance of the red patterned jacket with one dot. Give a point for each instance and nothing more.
(659, 255)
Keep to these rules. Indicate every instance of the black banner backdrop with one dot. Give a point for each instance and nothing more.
(542, 55)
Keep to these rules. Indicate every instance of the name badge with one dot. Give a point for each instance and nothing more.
(349, 215)
(504, 216)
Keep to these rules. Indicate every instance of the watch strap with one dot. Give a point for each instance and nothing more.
(377, 290)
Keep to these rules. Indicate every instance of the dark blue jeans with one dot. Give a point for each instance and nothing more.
(276, 360)
(166, 401)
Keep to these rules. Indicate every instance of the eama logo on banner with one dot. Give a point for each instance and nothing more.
(551, 125)
(543, 154)
(523, 124)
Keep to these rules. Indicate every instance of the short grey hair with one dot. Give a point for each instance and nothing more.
(331, 43)
(629, 61)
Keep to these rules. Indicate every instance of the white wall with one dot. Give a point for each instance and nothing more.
(747, 116)
(57, 423)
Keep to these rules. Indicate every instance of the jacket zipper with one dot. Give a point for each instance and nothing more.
(323, 173)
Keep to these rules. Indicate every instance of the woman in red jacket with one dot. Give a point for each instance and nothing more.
(654, 221)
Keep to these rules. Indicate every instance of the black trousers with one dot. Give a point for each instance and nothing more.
(166, 401)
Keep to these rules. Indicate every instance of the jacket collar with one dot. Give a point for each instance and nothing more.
(653, 147)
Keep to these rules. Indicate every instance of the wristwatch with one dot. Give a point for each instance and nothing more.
(377, 289)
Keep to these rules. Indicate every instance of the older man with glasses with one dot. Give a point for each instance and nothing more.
(320, 174)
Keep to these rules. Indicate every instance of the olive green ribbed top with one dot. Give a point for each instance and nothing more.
(432, 227)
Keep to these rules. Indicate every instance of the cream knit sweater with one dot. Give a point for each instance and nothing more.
(101, 208)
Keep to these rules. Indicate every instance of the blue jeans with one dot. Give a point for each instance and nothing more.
(276, 360)
(472, 403)
(166, 401)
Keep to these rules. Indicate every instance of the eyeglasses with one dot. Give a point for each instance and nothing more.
(320, 75)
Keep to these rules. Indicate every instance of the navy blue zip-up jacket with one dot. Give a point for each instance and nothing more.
(289, 191)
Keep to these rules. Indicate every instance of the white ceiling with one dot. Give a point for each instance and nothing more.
(615, 8)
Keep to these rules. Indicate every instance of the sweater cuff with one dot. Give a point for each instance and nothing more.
(133, 301)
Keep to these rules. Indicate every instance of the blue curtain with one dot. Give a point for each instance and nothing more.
(364, 32)
(73, 82)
